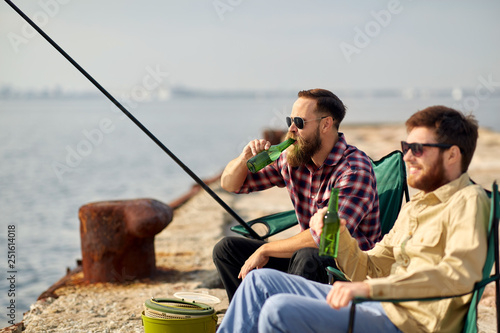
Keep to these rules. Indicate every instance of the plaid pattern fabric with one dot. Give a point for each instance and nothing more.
(346, 168)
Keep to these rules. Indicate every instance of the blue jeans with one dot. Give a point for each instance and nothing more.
(272, 301)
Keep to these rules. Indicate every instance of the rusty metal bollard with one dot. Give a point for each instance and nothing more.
(274, 136)
(118, 238)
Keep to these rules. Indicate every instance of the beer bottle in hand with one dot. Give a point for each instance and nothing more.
(267, 157)
(329, 241)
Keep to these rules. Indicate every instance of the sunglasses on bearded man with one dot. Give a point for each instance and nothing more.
(417, 149)
(299, 122)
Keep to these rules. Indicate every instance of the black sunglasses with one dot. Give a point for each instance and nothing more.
(299, 122)
(417, 149)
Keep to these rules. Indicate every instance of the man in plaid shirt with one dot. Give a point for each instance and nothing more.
(319, 160)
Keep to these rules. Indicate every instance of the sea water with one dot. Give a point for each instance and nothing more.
(59, 154)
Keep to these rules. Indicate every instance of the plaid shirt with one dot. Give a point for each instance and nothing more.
(345, 168)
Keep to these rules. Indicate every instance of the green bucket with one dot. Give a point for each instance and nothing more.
(163, 315)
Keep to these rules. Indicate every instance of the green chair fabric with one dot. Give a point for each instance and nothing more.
(470, 325)
(272, 224)
(390, 174)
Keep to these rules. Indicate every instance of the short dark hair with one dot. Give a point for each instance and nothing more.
(451, 126)
(326, 103)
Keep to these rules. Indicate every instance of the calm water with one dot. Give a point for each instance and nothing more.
(56, 155)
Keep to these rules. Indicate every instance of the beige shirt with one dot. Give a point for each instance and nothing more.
(437, 247)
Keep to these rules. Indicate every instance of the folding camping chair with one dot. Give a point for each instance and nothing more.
(390, 174)
(470, 325)
(391, 184)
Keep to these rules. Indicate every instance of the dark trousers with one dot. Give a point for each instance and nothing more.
(230, 254)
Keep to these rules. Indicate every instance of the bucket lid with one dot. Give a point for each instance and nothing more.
(178, 307)
(197, 297)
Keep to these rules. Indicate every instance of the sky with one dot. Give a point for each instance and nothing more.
(252, 45)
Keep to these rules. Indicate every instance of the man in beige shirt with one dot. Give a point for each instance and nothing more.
(436, 248)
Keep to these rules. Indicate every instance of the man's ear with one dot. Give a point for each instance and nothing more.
(328, 124)
(454, 155)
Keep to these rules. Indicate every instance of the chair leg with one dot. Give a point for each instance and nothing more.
(497, 293)
(497, 263)
(497, 284)
(350, 329)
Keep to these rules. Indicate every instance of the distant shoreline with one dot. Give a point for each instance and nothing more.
(177, 93)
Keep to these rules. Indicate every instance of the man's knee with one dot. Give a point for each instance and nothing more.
(304, 262)
(220, 248)
(226, 248)
(261, 282)
(275, 313)
(305, 254)
(265, 276)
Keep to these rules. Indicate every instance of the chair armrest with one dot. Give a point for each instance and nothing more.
(269, 225)
(335, 275)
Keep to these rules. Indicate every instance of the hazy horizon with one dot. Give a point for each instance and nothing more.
(252, 45)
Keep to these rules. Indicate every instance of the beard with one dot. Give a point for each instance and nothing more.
(432, 177)
(303, 150)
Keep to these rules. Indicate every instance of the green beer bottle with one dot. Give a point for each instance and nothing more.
(329, 242)
(267, 157)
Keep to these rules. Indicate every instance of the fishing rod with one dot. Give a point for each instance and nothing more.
(200, 182)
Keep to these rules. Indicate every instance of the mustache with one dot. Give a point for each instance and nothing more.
(297, 138)
(299, 143)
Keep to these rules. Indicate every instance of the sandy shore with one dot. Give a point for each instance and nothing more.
(184, 248)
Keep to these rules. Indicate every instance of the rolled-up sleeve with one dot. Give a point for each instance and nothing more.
(263, 179)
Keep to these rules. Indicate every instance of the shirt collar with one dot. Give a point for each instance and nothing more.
(337, 152)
